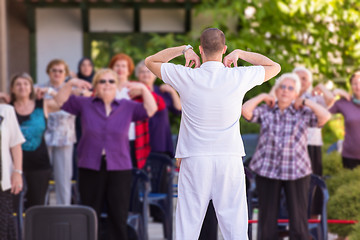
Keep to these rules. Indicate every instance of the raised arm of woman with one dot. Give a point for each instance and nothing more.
(250, 105)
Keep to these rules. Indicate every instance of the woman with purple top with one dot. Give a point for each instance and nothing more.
(159, 124)
(349, 107)
(281, 159)
(103, 151)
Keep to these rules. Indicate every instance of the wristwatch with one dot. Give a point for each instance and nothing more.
(187, 48)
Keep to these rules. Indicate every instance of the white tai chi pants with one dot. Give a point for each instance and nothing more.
(61, 159)
(220, 178)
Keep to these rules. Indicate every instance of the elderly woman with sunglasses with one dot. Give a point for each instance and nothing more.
(103, 150)
(281, 159)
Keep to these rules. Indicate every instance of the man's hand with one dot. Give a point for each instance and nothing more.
(178, 162)
(231, 58)
(191, 58)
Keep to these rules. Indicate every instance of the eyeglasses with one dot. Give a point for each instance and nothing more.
(103, 81)
(289, 88)
(54, 70)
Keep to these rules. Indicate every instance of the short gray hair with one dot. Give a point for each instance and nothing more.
(292, 76)
(304, 69)
(138, 66)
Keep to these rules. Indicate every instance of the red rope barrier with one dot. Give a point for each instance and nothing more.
(329, 221)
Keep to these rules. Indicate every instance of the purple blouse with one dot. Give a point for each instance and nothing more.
(104, 132)
(159, 126)
(351, 113)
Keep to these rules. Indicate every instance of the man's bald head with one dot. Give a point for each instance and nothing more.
(212, 41)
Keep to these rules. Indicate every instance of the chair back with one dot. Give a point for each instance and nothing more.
(250, 142)
(60, 223)
(160, 167)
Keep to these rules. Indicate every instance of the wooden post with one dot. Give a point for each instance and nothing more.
(3, 47)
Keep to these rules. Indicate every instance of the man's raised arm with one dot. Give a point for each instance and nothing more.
(271, 68)
(154, 62)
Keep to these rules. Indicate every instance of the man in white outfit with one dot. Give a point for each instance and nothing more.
(210, 147)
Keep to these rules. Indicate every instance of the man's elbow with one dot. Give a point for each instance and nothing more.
(147, 61)
(152, 111)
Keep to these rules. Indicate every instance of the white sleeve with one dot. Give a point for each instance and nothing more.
(254, 75)
(16, 136)
(174, 75)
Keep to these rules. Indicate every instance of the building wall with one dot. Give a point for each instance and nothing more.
(58, 35)
(18, 33)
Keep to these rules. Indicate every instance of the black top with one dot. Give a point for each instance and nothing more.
(33, 126)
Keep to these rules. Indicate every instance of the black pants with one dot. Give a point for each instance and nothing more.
(37, 183)
(315, 155)
(350, 163)
(209, 228)
(110, 187)
(296, 192)
(7, 222)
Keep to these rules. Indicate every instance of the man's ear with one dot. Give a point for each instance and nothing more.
(201, 50)
(224, 50)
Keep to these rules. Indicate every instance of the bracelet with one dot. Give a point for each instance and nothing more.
(18, 171)
(187, 48)
(303, 102)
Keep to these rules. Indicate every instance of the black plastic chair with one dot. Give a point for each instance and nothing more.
(318, 230)
(60, 223)
(250, 142)
(138, 211)
(160, 168)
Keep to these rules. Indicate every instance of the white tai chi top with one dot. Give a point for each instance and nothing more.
(11, 136)
(211, 99)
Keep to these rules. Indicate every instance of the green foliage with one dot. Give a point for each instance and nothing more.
(332, 164)
(334, 129)
(344, 177)
(345, 203)
(355, 234)
(321, 35)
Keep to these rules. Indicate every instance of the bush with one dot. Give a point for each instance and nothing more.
(332, 164)
(355, 234)
(345, 203)
(344, 177)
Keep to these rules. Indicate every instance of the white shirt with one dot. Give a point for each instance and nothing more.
(10, 137)
(123, 94)
(211, 99)
(314, 136)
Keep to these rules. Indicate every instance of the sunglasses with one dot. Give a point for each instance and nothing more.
(103, 81)
(53, 70)
(289, 88)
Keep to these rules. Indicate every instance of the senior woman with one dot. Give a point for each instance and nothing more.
(349, 107)
(281, 159)
(159, 124)
(60, 134)
(325, 98)
(11, 180)
(139, 137)
(103, 151)
(31, 114)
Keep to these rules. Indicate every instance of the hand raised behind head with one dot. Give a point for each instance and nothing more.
(191, 58)
(231, 58)
(269, 100)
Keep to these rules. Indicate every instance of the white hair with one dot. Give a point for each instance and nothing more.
(292, 76)
(138, 66)
(304, 69)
